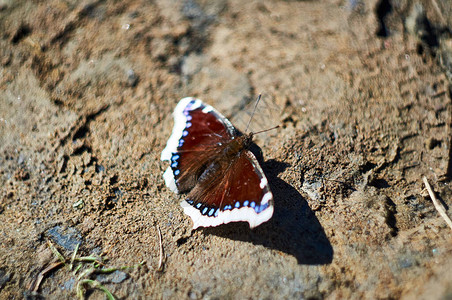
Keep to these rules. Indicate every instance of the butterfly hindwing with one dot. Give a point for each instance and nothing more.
(240, 194)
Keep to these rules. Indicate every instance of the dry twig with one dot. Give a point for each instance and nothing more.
(55, 265)
(160, 267)
(439, 207)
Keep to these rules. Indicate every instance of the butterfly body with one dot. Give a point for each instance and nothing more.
(210, 160)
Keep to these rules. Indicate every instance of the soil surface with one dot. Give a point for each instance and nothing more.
(361, 90)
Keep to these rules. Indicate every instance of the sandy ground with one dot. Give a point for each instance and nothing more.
(361, 89)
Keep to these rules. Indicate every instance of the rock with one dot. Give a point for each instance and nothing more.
(68, 238)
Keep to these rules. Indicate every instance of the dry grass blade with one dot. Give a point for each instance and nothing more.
(43, 273)
(160, 266)
(56, 252)
(439, 207)
(73, 257)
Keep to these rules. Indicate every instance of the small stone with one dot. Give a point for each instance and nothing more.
(68, 238)
(132, 78)
(115, 277)
(68, 285)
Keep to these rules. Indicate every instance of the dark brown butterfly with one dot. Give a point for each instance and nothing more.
(210, 160)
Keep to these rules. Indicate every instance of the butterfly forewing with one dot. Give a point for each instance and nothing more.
(198, 132)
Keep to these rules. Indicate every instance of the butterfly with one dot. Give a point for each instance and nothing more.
(210, 160)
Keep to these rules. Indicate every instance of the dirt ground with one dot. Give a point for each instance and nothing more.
(361, 89)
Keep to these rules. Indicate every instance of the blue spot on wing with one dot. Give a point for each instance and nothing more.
(260, 208)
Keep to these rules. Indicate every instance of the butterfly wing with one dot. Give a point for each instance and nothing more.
(241, 193)
(199, 130)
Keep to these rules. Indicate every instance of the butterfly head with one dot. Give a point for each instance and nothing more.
(248, 139)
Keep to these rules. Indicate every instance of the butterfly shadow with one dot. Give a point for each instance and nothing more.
(294, 229)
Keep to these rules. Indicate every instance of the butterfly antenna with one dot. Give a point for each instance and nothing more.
(254, 110)
(265, 130)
